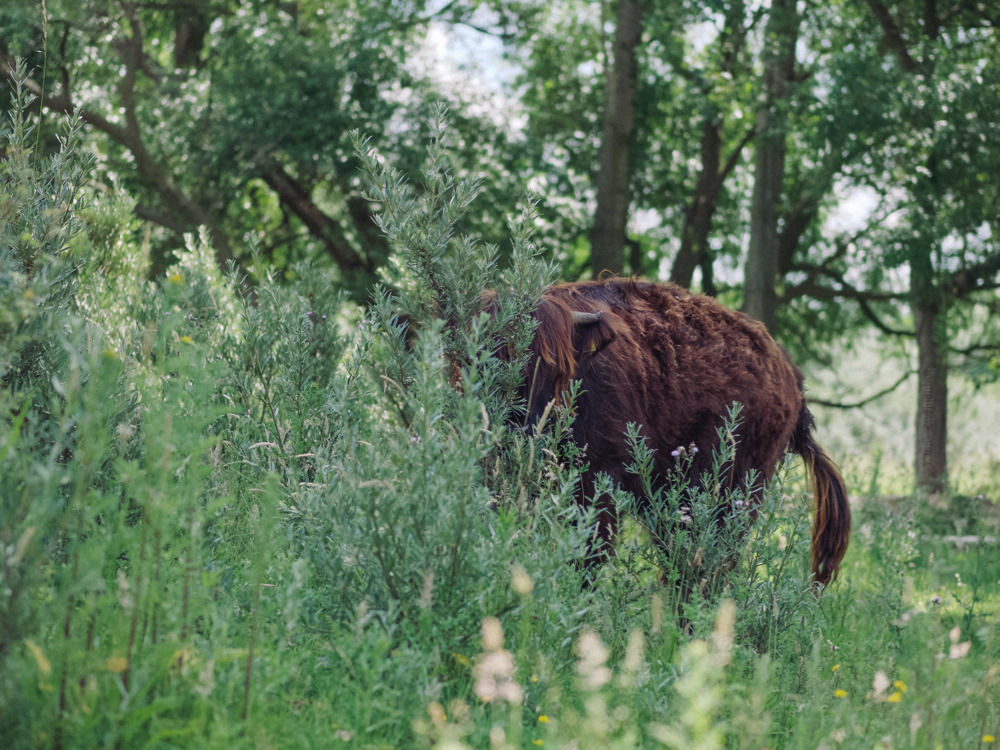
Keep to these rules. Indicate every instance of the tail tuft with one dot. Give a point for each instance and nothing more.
(832, 523)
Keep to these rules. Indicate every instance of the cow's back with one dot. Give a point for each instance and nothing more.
(675, 362)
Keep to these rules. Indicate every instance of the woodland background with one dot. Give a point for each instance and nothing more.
(242, 503)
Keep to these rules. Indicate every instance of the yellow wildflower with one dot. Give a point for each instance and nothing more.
(835, 667)
(186, 340)
(543, 719)
(175, 278)
(900, 686)
(895, 697)
(989, 738)
(537, 742)
(115, 664)
(840, 693)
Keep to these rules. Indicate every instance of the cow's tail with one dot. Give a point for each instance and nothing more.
(832, 522)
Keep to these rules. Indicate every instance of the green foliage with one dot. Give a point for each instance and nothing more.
(41, 365)
(38, 220)
(239, 513)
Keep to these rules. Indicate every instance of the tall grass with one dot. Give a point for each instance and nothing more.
(236, 512)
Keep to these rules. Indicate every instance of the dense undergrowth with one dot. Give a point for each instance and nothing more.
(236, 512)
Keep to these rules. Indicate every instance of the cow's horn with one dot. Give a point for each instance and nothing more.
(586, 318)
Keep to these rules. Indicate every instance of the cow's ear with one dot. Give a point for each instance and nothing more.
(592, 335)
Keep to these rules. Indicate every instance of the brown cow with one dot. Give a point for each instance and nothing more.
(674, 362)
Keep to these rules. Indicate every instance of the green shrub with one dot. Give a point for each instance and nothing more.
(237, 512)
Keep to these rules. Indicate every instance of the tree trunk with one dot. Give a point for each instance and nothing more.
(607, 237)
(928, 293)
(932, 400)
(698, 219)
(930, 317)
(928, 301)
(760, 277)
(693, 252)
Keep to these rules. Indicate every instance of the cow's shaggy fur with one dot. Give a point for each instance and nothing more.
(674, 362)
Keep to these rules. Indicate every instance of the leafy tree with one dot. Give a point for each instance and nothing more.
(236, 115)
(719, 75)
(920, 137)
(688, 132)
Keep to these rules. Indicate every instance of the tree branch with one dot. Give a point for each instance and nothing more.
(993, 346)
(864, 401)
(976, 277)
(810, 288)
(734, 157)
(297, 199)
(130, 137)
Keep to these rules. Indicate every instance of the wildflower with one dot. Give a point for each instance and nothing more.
(494, 673)
(593, 654)
(936, 600)
(494, 670)
(543, 719)
(959, 650)
(493, 637)
(186, 340)
(534, 678)
(880, 684)
(840, 693)
(895, 697)
(633, 659)
(900, 686)
(426, 591)
(175, 278)
(520, 581)
(461, 660)
(835, 667)
(537, 742)
(437, 713)
(988, 738)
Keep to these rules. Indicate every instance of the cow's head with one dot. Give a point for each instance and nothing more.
(565, 342)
